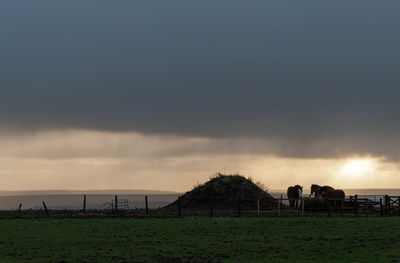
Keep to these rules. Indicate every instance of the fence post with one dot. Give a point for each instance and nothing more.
(279, 207)
(179, 207)
(398, 205)
(45, 208)
(212, 206)
(329, 206)
(116, 205)
(239, 208)
(84, 204)
(387, 203)
(381, 205)
(147, 205)
(19, 209)
(341, 207)
(302, 206)
(258, 206)
(356, 204)
(297, 206)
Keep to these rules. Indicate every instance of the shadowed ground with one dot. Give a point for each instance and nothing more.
(295, 239)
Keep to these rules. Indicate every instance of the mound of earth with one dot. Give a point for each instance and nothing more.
(225, 192)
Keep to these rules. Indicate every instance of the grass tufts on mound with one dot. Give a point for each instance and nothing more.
(225, 192)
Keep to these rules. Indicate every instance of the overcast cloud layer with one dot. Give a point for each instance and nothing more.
(307, 78)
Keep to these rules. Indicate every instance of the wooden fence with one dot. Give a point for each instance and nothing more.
(350, 206)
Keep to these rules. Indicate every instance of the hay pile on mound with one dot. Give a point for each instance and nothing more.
(226, 192)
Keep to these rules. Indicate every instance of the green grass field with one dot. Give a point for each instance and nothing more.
(295, 239)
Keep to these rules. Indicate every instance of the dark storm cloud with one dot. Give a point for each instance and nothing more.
(300, 72)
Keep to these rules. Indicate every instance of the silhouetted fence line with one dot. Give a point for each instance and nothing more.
(147, 205)
(84, 204)
(19, 210)
(355, 205)
(45, 208)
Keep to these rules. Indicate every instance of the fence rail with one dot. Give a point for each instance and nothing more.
(364, 205)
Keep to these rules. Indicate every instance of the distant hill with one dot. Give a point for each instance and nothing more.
(223, 192)
(88, 192)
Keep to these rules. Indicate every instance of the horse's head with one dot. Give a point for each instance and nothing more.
(298, 187)
(315, 190)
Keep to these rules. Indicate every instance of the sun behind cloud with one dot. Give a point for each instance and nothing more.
(357, 167)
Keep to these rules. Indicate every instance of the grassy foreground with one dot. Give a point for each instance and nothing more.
(309, 239)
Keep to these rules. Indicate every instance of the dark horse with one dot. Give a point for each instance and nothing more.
(338, 195)
(324, 190)
(315, 190)
(294, 192)
(320, 191)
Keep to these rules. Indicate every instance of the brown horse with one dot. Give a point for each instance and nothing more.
(294, 192)
(315, 190)
(320, 191)
(335, 194)
(324, 190)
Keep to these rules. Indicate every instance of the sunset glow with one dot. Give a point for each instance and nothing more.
(357, 167)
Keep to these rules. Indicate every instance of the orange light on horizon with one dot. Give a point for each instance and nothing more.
(357, 167)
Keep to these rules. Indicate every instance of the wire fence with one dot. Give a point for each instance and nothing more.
(356, 205)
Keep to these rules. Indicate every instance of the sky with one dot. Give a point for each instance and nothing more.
(101, 94)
